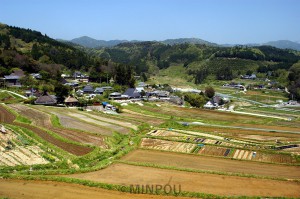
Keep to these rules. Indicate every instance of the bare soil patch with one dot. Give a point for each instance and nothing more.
(214, 151)
(6, 116)
(213, 164)
(195, 182)
(48, 190)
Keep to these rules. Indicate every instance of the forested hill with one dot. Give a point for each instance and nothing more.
(149, 57)
(32, 51)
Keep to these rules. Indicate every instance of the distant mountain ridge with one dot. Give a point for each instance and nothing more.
(284, 44)
(94, 43)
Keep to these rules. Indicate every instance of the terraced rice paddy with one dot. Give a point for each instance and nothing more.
(43, 120)
(9, 118)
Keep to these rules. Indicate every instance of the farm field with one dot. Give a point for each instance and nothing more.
(215, 117)
(70, 117)
(9, 118)
(48, 190)
(43, 120)
(16, 150)
(242, 133)
(215, 148)
(112, 121)
(199, 114)
(212, 164)
(203, 159)
(142, 117)
(193, 182)
(74, 123)
(167, 145)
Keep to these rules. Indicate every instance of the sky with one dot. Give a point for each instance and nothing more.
(218, 21)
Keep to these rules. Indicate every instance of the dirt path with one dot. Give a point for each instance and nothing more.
(7, 117)
(213, 164)
(49, 190)
(194, 182)
(42, 119)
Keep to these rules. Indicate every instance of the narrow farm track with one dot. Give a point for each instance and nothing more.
(9, 118)
(42, 119)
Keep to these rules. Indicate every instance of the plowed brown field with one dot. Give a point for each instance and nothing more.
(50, 190)
(213, 164)
(194, 182)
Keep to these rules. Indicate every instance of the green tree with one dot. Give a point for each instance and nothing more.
(28, 81)
(35, 52)
(195, 100)
(144, 77)
(209, 92)
(124, 75)
(294, 81)
(61, 92)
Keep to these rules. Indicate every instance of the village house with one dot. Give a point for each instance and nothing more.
(46, 99)
(253, 76)
(13, 80)
(99, 91)
(210, 105)
(71, 101)
(131, 93)
(88, 89)
(115, 96)
(80, 77)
